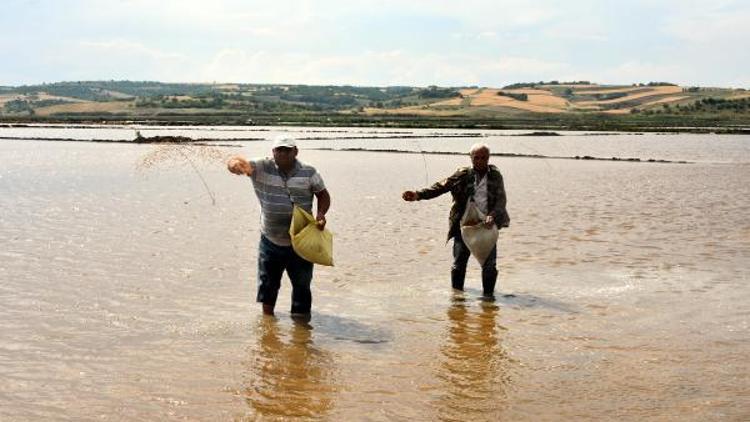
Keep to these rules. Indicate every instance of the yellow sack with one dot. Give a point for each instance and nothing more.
(308, 241)
(478, 238)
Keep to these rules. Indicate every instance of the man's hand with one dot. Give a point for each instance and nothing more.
(320, 221)
(489, 221)
(239, 166)
(410, 196)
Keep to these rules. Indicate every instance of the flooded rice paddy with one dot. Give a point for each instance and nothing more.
(127, 278)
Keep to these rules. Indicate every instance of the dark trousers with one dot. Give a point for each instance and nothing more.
(461, 256)
(273, 260)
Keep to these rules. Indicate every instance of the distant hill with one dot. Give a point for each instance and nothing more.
(143, 97)
(584, 97)
(270, 104)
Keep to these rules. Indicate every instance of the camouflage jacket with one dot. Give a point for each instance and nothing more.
(461, 186)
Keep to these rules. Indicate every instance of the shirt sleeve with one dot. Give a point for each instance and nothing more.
(257, 165)
(316, 183)
(442, 186)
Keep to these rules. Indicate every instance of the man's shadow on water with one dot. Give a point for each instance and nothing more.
(520, 300)
(347, 329)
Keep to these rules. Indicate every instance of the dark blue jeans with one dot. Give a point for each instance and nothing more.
(461, 256)
(273, 260)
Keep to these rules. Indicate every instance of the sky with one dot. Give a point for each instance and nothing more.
(377, 43)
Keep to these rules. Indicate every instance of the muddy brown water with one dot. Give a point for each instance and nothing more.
(623, 291)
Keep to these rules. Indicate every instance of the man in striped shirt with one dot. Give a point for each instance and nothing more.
(280, 183)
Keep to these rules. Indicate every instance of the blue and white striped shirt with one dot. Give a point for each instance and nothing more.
(277, 193)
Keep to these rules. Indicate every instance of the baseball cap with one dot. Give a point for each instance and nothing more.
(284, 142)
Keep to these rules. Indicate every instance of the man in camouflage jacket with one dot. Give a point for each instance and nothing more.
(482, 183)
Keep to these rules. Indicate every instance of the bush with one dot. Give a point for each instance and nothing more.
(17, 106)
(610, 95)
(515, 96)
(435, 92)
(534, 84)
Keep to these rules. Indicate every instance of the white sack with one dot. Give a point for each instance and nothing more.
(479, 238)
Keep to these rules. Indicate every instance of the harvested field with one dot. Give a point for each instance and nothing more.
(5, 98)
(539, 101)
(457, 101)
(415, 110)
(41, 96)
(666, 100)
(605, 90)
(469, 91)
(463, 100)
(617, 111)
(544, 98)
(585, 108)
(45, 96)
(662, 90)
(86, 107)
(489, 97)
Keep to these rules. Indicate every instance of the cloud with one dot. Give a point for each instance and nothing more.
(201, 18)
(507, 14)
(474, 36)
(717, 29)
(113, 59)
(238, 65)
(574, 31)
(393, 67)
(381, 42)
(529, 65)
(635, 71)
(123, 49)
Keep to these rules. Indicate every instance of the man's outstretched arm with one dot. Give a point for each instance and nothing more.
(435, 190)
(410, 196)
(240, 166)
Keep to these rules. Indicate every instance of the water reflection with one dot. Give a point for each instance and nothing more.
(474, 367)
(289, 376)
